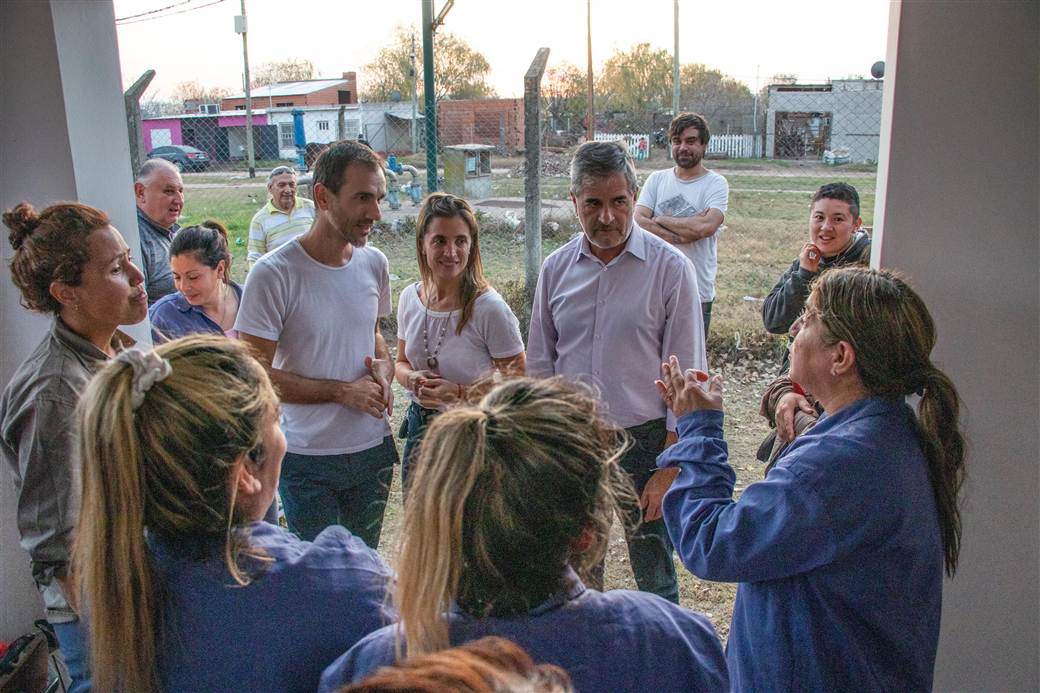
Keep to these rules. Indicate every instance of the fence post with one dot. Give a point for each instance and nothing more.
(132, 103)
(533, 174)
(429, 96)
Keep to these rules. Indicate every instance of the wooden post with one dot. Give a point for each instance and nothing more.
(533, 175)
(132, 102)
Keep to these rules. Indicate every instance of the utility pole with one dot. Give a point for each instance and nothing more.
(675, 65)
(431, 104)
(415, 97)
(241, 28)
(590, 112)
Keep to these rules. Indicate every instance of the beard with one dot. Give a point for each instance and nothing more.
(688, 160)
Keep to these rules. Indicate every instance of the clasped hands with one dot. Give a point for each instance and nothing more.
(371, 392)
(432, 390)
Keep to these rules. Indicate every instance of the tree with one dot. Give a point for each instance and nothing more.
(459, 71)
(291, 70)
(192, 92)
(637, 81)
(722, 100)
(563, 88)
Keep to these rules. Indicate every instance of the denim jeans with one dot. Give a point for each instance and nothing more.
(416, 419)
(649, 548)
(706, 314)
(349, 489)
(72, 639)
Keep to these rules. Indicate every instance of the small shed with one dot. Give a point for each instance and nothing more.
(467, 170)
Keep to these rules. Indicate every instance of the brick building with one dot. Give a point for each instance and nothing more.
(498, 122)
(311, 92)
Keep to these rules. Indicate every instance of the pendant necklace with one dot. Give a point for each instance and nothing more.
(431, 358)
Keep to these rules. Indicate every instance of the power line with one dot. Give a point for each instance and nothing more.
(161, 9)
(162, 16)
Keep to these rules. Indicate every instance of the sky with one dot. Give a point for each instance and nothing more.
(749, 40)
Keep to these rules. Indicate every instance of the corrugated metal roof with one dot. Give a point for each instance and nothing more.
(289, 88)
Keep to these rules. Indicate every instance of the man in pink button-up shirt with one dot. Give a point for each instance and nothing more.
(611, 305)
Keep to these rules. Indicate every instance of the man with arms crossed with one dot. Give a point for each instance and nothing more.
(611, 305)
(159, 192)
(282, 219)
(310, 311)
(686, 204)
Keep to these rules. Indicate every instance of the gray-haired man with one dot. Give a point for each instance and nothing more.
(611, 305)
(159, 192)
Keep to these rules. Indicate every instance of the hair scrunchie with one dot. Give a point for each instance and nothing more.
(149, 369)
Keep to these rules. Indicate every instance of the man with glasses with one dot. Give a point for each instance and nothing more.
(283, 218)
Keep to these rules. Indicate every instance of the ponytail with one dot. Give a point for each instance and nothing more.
(943, 444)
(117, 574)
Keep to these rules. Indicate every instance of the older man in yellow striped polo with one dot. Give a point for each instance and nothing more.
(283, 218)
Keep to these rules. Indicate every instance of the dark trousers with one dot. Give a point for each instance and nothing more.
(416, 419)
(706, 314)
(649, 548)
(350, 489)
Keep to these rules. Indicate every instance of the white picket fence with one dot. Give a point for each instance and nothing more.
(638, 144)
(733, 146)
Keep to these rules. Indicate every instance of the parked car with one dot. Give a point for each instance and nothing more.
(185, 158)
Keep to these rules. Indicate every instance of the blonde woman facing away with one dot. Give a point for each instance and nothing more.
(186, 588)
(454, 328)
(511, 499)
(69, 263)
(840, 551)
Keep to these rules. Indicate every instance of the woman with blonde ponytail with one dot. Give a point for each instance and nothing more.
(513, 498)
(187, 589)
(840, 551)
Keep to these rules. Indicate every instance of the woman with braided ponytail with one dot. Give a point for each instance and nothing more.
(512, 499)
(71, 264)
(840, 551)
(187, 589)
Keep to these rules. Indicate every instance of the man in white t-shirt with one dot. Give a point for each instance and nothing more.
(686, 204)
(310, 311)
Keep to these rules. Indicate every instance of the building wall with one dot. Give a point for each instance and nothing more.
(62, 61)
(498, 122)
(957, 212)
(855, 108)
(160, 132)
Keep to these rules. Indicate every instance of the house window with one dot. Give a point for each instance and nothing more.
(283, 104)
(323, 125)
(285, 136)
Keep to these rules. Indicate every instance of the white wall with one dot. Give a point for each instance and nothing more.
(63, 138)
(957, 210)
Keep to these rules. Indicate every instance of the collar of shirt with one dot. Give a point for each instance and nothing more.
(635, 246)
(167, 233)
(271, 209)
(571, 587)
(83, 346)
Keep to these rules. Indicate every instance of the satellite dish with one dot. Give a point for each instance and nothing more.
(877, 70)
(395, 96)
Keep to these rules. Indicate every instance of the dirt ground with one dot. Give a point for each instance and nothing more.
(746, 375)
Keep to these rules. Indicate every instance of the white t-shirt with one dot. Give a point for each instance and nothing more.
(492, 332)
(668, 195)
(323, 319)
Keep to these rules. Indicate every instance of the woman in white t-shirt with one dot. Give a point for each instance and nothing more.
(453, 328)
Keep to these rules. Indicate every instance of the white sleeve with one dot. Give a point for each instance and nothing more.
(648, 195)
(718, 195)
(386, 305)
(261, 312)
(500, 329)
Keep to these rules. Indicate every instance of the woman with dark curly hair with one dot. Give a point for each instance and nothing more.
(69, 263)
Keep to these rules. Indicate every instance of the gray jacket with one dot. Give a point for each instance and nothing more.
(36, 441)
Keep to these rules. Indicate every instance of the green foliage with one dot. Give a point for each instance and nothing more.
(563, 90)
(291, 70)
(459, 71)
(636, 81)
(720, 99)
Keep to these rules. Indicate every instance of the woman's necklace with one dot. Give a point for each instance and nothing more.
(431, 358)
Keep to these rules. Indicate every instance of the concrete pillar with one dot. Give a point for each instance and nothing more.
(957, 211)
(63, 138)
